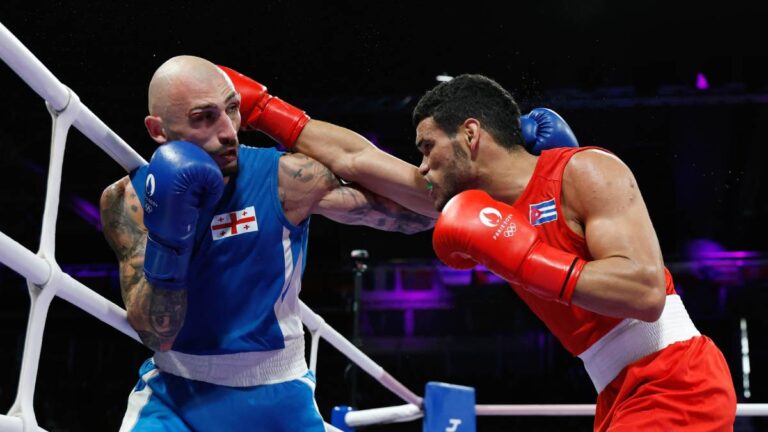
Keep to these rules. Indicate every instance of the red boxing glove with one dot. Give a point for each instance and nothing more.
(263, 112)
(475, 227)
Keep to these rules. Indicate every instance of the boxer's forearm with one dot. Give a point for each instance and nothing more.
(622, 288)
(156, 314)
(353, 158)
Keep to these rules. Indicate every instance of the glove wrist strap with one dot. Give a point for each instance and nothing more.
(553, 271)
(165, 267)
(282, 121)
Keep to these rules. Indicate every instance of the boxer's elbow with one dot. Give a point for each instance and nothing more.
(651, 302)
(164, 347)
(349, 165)
(139, 323)
(150, 339)
(337, 148)
(135, 318)
(651, 306)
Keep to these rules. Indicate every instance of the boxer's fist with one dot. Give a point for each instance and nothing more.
(263, 112)
(544, 129)
(475, 227)
(181, 180)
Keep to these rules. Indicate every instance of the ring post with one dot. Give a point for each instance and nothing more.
(449, 408)
(359, 256)
(337, 417)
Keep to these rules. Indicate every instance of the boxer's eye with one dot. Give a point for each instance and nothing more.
(204, 115)
(424, 146)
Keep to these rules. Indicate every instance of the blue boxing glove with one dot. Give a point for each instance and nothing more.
(182, 180)
(544, 129)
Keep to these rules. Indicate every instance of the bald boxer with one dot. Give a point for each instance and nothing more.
(211, 238)
(568, 229)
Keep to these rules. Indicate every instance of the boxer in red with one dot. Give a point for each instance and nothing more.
(567, 228)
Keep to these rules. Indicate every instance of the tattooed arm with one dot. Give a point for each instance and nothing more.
(156, 314)
(308, 187)
(354, 158)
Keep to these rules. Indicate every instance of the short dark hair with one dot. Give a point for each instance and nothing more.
(477, 96)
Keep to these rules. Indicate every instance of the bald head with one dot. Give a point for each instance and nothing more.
(177, 77)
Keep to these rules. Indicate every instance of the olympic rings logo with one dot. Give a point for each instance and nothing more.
(510, 231)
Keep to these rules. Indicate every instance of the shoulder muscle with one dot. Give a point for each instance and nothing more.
(596, 181)
(302, 183)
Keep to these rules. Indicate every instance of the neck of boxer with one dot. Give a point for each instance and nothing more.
(504, 174)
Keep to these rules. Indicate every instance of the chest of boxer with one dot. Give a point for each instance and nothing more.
(576, 328)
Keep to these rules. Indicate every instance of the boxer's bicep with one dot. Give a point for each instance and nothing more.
(124, 233)
(112, 214)
(625, 277)
(606, 197)
(302, 182)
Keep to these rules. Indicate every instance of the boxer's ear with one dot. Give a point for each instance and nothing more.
(154, 125)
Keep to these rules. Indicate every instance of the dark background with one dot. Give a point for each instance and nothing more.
(622, 75)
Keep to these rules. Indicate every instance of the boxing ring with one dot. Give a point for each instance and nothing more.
(45, 280)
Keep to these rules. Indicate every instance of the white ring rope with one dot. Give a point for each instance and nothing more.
(401, 413)
(45, 279)
(386, 415)
(315, 323)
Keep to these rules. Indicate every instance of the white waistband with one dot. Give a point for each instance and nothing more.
(239, 369)
(633, 339)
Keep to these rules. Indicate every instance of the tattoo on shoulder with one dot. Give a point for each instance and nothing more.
(307, 170)
(298, 168)
(328, 175)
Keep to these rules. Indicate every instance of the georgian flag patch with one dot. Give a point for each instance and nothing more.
(234, 223)
(542, 212)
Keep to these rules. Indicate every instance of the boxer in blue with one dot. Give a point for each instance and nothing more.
(211, 238)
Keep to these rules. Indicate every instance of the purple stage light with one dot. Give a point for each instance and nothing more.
(709, 260)
(701, 81)
(703, 248)
(90, 271)
(86, 210)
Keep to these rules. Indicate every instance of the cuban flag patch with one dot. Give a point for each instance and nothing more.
(234, 223)
(542, 212)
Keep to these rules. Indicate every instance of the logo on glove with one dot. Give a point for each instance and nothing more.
(490, 217)
(150, 186)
